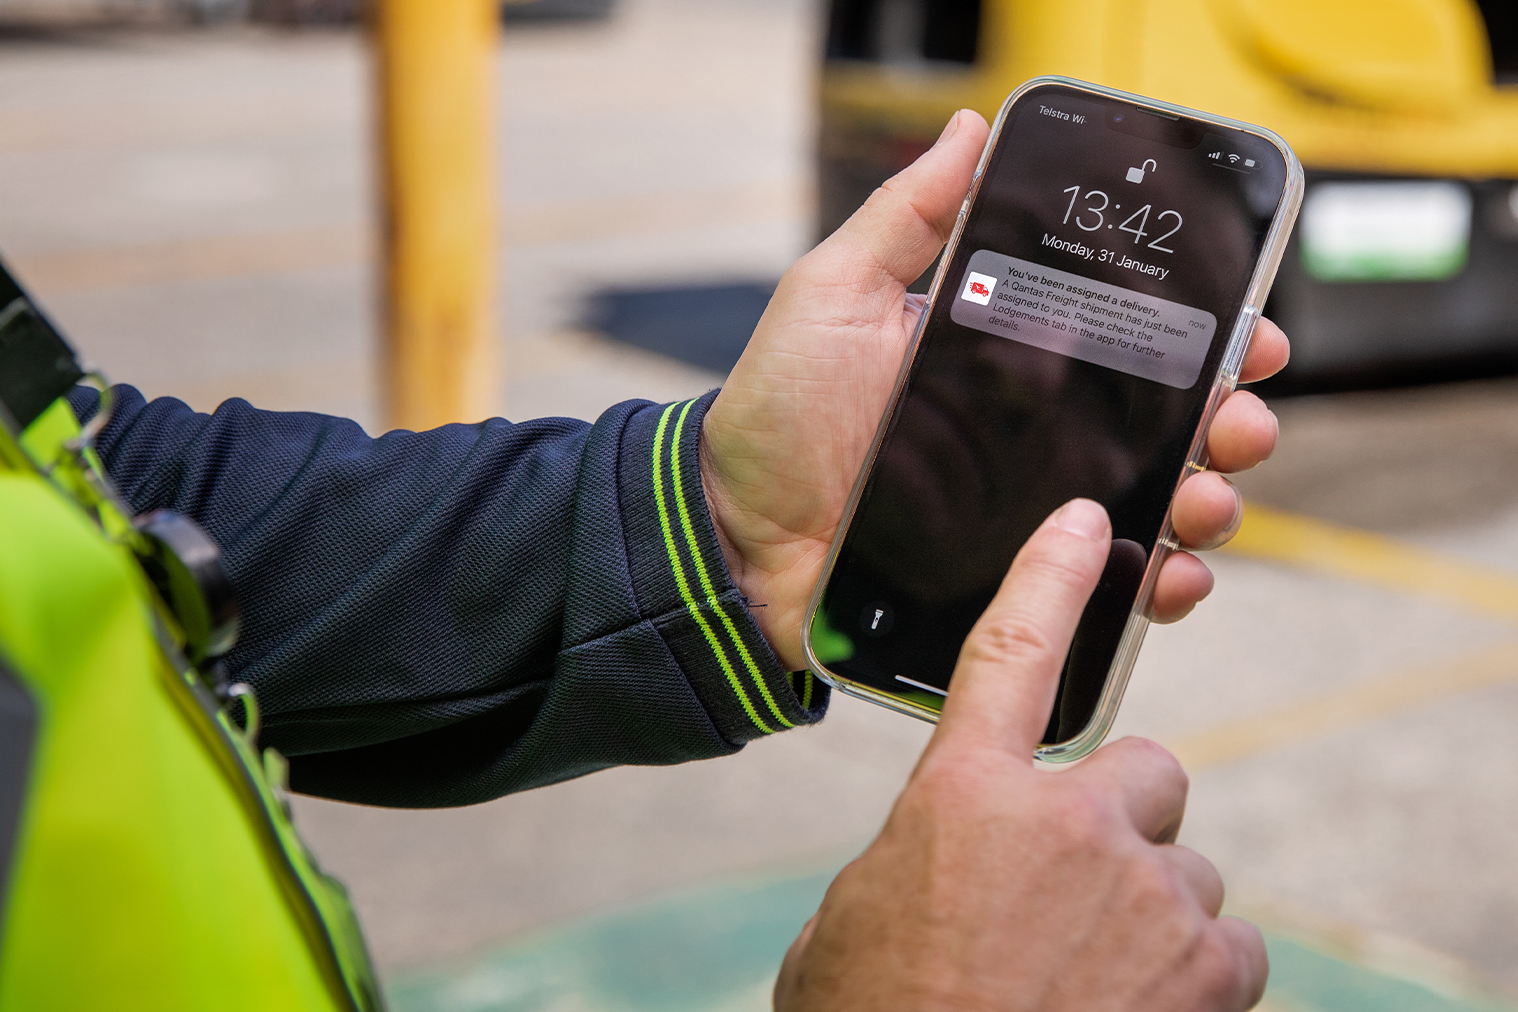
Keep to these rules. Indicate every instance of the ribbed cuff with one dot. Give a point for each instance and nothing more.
(683, 586)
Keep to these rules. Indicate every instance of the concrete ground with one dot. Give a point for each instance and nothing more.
(195, 210)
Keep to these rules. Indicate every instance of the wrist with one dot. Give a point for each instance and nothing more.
(765, 593)
(719, 504)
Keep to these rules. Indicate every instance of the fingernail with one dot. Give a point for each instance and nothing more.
(1083, 517)
(948, 130)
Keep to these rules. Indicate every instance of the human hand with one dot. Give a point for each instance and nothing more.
(997, 885)
(784, 441)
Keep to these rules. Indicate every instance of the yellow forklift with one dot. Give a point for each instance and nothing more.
(1404, 265)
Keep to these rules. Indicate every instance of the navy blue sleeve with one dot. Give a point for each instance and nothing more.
(442, 617)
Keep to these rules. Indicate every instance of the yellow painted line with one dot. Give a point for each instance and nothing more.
(1353, 704)
(1350, 554)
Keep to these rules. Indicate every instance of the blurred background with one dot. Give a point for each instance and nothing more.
(191, 188)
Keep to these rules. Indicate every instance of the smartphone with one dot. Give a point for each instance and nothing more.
(1090, 312)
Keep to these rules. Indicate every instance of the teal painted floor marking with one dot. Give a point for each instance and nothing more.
(716, 949)
(1301, 978)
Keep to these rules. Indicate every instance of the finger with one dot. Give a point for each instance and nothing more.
(1267, 354)
(1243, 433)
(1244, 943)
(1184, 581)
(789, 980)
(1199, 875)
(1147, 780)
(906, 221)
(1003, 686)
(1207, 511)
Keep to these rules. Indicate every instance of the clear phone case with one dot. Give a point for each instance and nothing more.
(921, 704)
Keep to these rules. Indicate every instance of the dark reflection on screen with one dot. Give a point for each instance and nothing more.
(992, 435)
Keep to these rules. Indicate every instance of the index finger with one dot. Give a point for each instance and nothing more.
(1003, 686)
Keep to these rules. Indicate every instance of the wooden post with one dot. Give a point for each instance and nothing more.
(436, 66)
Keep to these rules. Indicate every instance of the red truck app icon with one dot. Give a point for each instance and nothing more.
(978, 288)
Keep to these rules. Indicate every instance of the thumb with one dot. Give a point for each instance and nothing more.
(1004, 684)
(906, 221)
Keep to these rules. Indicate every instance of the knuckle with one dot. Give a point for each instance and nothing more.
(1183, 937)
(1084, 819)
(848, 878)
(1201, 955)
(890, 191)
(1051, 563)
(1151, 888)
(1158, 756)
(1217, 971)
(897, 192)
(1007, 639)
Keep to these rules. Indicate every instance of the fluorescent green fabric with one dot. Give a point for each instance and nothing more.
(148, 870)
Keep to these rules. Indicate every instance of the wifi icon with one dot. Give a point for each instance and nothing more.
(1233, 159)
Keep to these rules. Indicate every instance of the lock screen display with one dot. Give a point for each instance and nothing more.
(1071, 350)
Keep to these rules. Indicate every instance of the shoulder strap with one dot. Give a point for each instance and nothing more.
(37, 366)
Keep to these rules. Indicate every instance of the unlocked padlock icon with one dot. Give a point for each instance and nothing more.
(1136, 172)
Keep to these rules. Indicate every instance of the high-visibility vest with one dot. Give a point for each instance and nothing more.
(147, 858)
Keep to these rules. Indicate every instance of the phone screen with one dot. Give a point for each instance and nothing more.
(1071, 351)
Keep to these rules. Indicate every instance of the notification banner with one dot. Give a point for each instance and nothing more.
(1103, 324)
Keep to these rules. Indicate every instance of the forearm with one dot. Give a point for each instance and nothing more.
(446, 616)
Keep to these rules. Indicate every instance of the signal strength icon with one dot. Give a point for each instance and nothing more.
(1215, 155)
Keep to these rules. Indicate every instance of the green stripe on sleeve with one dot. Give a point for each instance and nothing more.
(705, 577)
(679, 571)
